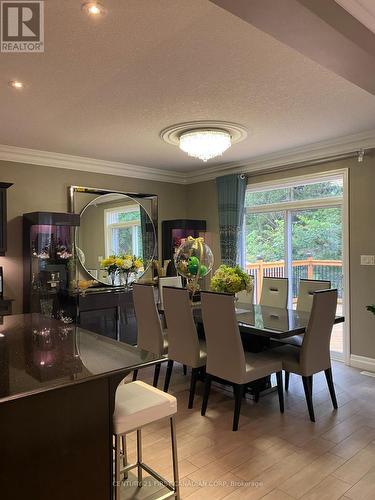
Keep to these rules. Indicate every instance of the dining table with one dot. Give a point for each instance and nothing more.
(57, 396)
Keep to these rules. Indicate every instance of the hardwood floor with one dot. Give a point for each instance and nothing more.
(272, 456)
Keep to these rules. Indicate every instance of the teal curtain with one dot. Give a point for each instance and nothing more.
(231, 191)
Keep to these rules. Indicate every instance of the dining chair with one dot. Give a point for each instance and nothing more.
(226, 358)
(314, 354)
(150, 334)
(245, 297)
(184, 345)
(274, 292)
(175, 281)
(306, 291)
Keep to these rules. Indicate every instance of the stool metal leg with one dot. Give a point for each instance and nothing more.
(174, 456)
(117, 467)
(139, 456)
(124, 454)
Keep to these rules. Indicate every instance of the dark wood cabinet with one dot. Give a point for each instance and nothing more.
(3, 217)
(109, 312)
(6, 306)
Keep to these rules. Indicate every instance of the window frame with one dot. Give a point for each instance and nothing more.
(134, 224)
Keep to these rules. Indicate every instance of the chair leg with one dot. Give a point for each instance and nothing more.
(287, 375)
(279, 378)
(139, 456)
(124, 455)
(185, 369)
(156, 375)
(135, 375)
(174, 458)
(193, 383)
(117, 483)
(168, 375)
(238, 390)
(307, 385)
(256, 396)
(207, 388)
(331, 387)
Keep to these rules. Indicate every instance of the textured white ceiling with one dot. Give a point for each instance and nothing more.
(104, 89)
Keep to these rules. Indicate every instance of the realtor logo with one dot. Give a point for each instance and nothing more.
(22, 26)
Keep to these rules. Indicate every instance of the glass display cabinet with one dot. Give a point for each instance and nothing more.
(174, 233)
(49, 264)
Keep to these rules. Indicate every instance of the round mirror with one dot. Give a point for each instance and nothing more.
(116, 240)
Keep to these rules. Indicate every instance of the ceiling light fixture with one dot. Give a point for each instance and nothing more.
(205, 143)
(16, 84)
(94, 9)
(204, 140)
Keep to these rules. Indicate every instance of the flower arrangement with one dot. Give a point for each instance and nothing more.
(231, 280)
(121, 265)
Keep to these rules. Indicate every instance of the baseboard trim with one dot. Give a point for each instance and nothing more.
(362, 362)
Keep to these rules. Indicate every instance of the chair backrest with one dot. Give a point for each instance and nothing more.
(225, 353)
(274, 292)
(150, 332)
(315, 350)
(245, 297)
(183, 343)
(175, 281)
(306, 292)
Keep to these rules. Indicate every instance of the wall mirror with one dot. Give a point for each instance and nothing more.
(116, 241)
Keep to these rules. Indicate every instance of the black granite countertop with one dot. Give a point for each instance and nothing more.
(39, 354)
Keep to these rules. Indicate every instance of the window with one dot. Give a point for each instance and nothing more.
(294, 229)
(123, 231)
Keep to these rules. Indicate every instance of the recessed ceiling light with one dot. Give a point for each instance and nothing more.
(94, 9)
(16, 84)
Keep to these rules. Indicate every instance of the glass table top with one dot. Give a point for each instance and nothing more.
(38, 354)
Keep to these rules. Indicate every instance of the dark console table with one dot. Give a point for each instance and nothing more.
(110, 312)
(57, 393)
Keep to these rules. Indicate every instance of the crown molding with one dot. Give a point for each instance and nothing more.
(60, 160)
(295, 156)
(288, 157)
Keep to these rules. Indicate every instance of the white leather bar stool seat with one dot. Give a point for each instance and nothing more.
(139, 404)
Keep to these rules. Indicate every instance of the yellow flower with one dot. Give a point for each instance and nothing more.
(138, 263)
(119, 262)
(107, 262)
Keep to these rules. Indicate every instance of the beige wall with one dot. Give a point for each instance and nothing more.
(41, 189)
(44, 189)
(203, 201)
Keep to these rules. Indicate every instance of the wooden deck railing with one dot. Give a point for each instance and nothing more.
(308, 268)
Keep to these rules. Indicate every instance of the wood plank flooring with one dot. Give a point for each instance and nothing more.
(272, 456)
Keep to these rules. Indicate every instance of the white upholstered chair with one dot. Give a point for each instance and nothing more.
(306, 291)
(150, 334)
(274, 292)
(184, 345)
(226, 358)
(175, 281)
(314, 354)
(137, 405)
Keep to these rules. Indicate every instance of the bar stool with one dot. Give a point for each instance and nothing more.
(137, 405)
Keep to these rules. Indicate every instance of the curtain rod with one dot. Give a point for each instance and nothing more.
(359, 154)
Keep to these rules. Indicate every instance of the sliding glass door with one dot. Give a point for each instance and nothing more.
(296, 231)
